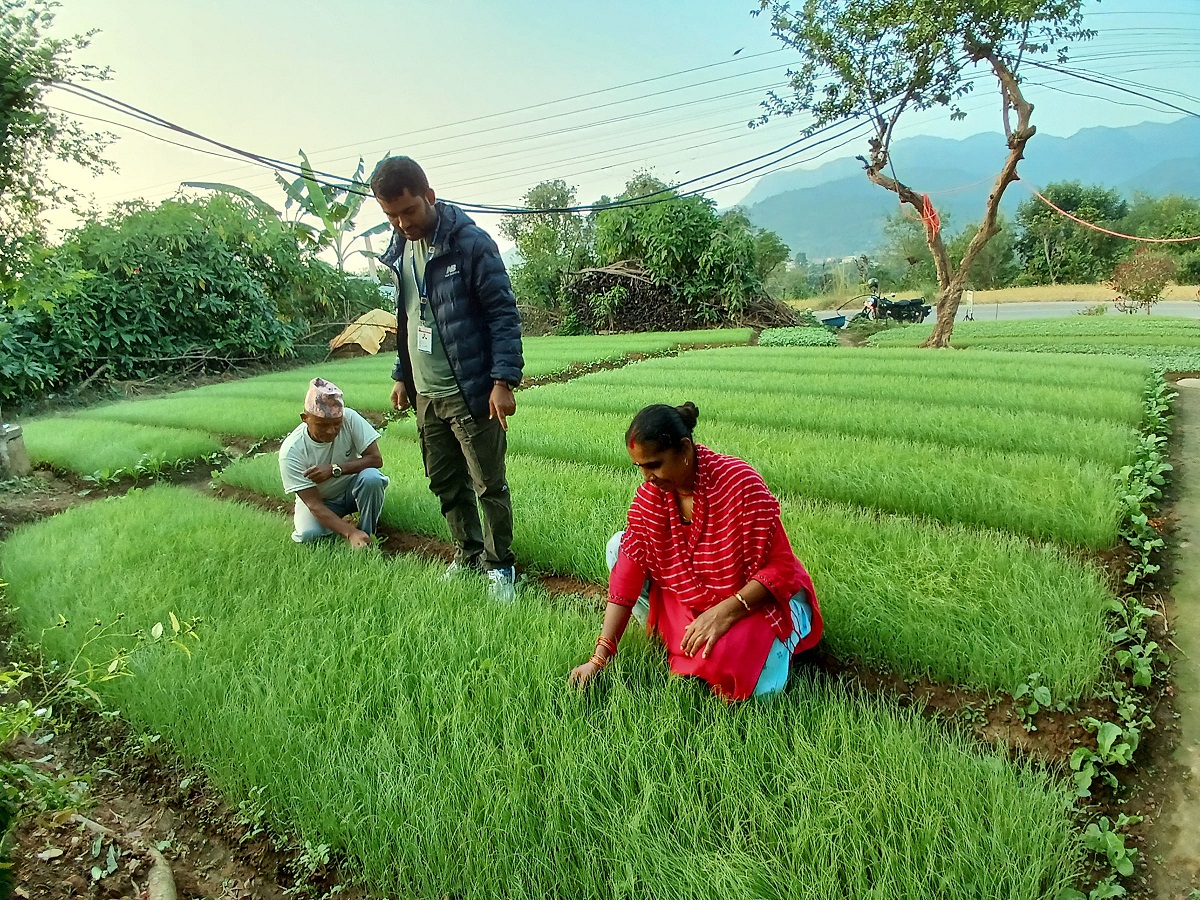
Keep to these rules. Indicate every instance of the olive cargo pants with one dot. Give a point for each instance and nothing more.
(464, 460)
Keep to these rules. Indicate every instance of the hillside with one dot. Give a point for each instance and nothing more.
(833, 211)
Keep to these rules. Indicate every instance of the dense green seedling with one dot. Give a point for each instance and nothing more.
(1170, 344)
(977, 608)
(268, 406)
(364, 395)
(89, 446)
(1172, 327)
(543, 355)
(220, 415)
(1108, 392)
(998, 367)
(1045, 497)
(429, 736)
(984, 428)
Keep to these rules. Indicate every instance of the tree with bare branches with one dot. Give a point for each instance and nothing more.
(879, 59)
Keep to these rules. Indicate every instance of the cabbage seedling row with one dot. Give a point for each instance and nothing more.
(429, 736)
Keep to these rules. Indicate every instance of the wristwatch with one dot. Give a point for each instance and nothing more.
(337, 471)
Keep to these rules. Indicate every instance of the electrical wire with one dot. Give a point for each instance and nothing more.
(350, 187)
(1103, 230)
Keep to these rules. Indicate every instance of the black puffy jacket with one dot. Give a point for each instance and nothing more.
(473, 304)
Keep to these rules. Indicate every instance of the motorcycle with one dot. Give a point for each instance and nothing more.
(878, 309)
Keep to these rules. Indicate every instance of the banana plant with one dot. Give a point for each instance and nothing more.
(335, 206)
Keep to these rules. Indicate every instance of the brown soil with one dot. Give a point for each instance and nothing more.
(138, 793)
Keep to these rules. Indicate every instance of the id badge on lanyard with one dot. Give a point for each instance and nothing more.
(424, 330)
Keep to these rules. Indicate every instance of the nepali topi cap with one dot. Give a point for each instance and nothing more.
(324, 399)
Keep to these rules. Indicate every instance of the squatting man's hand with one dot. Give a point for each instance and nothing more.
(318, 474)
(360, 540)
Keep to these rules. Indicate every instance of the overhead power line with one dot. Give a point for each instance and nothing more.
(665, 194)
(1092, 225)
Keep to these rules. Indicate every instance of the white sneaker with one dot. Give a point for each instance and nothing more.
(502, 584)
(453, 571)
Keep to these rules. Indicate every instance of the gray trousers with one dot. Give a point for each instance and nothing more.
(464, 461)
(364, 493)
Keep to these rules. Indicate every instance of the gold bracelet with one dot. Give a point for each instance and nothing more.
(742, 600)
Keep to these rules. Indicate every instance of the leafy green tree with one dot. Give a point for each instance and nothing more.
(551, 244)
(789, 281)
(878, 59)
(709, 259)
(1173, 216)
(907, 263)
(31, 134)
(1055, 250)
(769, 249)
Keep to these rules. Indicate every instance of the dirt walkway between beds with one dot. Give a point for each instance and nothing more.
(1174, 853)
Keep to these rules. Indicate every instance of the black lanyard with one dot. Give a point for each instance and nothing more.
(422, 281)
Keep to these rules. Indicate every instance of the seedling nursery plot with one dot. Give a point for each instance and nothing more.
(1107, 389)
(981, 609)
(1168, 343)
(268, 406)
(1044, 497)
(430, 740)
(91, 447)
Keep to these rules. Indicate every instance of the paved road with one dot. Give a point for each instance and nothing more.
(992, 312)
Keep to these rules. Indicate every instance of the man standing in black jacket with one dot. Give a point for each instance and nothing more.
(458, 342)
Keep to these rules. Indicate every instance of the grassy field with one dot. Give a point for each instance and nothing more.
(1167, 343)
(429, 736)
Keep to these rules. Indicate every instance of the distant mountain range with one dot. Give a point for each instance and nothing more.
(834, 211)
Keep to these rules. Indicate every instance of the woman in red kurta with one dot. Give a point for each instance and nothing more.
(705, 547)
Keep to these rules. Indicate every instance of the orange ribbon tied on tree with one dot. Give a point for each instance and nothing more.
(930, 217)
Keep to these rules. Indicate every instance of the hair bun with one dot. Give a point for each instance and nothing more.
(690, 413)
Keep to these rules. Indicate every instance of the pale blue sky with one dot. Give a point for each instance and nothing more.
(439, 81)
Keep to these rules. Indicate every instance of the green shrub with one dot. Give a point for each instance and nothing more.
(150, 289)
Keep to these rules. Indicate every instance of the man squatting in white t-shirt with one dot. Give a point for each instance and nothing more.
(331, 462)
